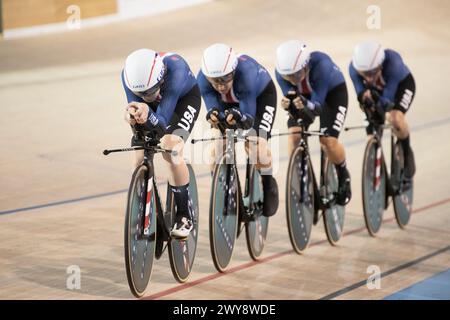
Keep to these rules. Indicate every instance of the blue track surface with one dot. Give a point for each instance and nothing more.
(436, 287)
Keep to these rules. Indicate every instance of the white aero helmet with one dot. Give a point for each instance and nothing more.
(292, 56)
(367, 56)
(218, 60)
(144, 69)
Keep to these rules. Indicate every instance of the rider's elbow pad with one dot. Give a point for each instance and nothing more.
(314, 107)
(156, 125)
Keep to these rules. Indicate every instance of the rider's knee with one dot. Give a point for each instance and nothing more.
(259, 152)
(397, 118)
(294, 139)
(175, 143)
(329, 143)
(216, 151)
(256, 145)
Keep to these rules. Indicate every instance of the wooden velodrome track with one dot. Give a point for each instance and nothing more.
(62, 202)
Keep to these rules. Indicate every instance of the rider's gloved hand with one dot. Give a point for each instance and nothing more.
(213, 117)
(234, 117)
(286, 101)
(298, 103)
(137, 112)
(368, 98)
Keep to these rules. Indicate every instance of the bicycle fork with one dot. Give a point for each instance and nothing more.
(304, 192)
(147, 208)
(377, 167)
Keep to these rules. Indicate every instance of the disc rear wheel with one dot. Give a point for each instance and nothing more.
(182, 252)
(333, 216)
(256, 228)
(403, 195)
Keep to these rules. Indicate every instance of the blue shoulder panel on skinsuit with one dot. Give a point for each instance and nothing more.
(178, 81)
(323, 76)
(249, 81)
(393, 72)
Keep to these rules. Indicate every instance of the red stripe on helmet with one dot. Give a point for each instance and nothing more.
(298, 57)
(228, 59)
(151, 71)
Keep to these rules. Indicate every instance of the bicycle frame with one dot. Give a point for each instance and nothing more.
(322, 202)
(311, 197)
(377, 133)
(163, 232)
(230, 158)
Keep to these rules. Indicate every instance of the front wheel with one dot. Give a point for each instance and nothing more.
(299, 199)
(140, 248)
(333, 216)
(182, 252)
(373, 186)
(256, 228)
(223, 214)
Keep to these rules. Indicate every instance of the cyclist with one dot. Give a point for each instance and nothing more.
(239, 92)
(313, 85)
(164, 101)
(381, 78)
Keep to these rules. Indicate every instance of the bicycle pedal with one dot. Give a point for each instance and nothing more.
(248, 217)
(406, 186)
(328, 202)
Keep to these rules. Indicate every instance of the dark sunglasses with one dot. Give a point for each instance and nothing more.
(222, 80)
(293, 77)
(370, 73)
(149, 92)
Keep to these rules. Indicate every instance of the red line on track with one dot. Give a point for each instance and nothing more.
(250, 264)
